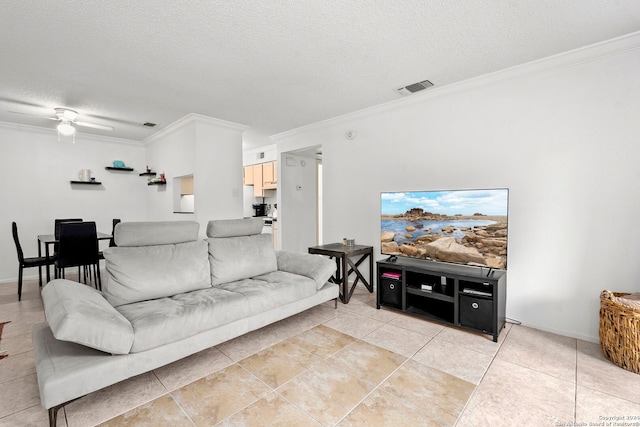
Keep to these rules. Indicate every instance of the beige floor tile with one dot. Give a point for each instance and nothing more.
(35, 416)
(22, 322)
(354, 324)
(192, 368)
(16, 344)
(367, 361)
(252, 342)
(417, 324)
(475, 341)
(218, 396)
(315, 316)
(322, 341)
(368, 308)
(430, 389)
(381, 409)
(595, 407)
(598, 373)
(325, 392)
(461, 362)
(18, 394)
(16, 366)
(279, 363)
(163, 411)
(514, 395)
(396, 339)
(271, 410)
(30, 301)
(114, 400)
(542, 351)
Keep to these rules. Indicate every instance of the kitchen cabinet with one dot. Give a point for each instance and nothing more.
(263, 176)
(269, 176)
(257, 181)
(247, 178)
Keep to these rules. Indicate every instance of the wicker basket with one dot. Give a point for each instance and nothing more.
(620, 331)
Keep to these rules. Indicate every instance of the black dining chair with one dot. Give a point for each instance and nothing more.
(27, 262)
(112, 241)
(78, 247)
(56, 233)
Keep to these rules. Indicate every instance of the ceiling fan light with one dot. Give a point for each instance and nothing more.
(66, 129)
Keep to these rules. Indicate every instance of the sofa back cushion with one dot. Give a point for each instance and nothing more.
(153, 233)
(238, 251)
(155, 260)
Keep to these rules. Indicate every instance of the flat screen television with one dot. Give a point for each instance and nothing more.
(458, 226)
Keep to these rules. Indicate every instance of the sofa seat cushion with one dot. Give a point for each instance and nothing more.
(170, 319)
(148, 272)
(165, 320)
(80, 314)
(241, 257)
(272, 289)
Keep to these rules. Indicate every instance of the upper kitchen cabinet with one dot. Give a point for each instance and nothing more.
(247, 178)
(258, 185)
(269, 176)
(262, 176)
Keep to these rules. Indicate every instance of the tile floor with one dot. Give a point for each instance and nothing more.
(352, 366)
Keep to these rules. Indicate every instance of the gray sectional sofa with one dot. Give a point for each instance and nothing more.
(167, 295)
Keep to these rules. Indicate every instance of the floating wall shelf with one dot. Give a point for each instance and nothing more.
(148, 174)
(157, 183)
(111, 168)
(86, 182)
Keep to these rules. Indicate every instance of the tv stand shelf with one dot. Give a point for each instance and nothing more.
(466, 296)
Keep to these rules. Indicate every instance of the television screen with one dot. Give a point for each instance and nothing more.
(460, 226)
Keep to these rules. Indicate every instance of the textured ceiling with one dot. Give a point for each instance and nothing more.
(272, 65)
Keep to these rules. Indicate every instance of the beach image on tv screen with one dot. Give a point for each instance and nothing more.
(459, 226)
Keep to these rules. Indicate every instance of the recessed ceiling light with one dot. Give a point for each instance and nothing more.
(148, 124)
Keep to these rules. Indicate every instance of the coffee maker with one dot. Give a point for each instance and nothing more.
(260, 209)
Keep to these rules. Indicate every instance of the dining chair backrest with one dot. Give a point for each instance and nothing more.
(57, 222)
(78, 244)
(16, 240)
(112, 241)
(56, 229)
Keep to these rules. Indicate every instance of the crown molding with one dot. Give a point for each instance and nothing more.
(192, 119)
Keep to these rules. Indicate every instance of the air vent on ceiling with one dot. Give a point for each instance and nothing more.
(148, 124)
(414, 87)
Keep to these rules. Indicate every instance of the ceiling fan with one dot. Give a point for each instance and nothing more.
(67, 119)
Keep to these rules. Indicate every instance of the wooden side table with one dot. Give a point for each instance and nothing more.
(345, 265)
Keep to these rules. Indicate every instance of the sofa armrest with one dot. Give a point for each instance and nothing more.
(315, 267)
(78, 313)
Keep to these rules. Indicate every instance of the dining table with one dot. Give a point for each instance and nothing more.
(47, 240)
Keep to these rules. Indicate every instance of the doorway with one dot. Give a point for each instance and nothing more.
(300, 199)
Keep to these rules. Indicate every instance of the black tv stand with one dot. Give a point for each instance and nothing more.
(465, 296)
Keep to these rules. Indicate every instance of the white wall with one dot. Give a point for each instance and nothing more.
(211, 150)
(561, 134)
(35, 170)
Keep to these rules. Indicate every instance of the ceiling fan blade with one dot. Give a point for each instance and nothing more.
(93, 125)
(33, 115)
